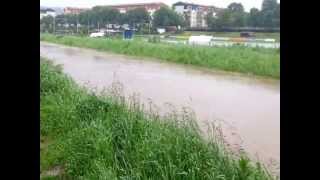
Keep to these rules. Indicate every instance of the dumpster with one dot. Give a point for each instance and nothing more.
(128, 34)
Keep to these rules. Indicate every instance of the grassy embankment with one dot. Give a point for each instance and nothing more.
(89, 136)
(255, 61)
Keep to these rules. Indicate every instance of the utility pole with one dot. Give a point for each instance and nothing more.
(88, 18)
(77, 25)
(54, 25)
(88, 27)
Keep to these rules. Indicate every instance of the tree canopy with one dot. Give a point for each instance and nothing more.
(167, 17)
(137, 16)
(254, 17)
(235, 16)
(236, 8)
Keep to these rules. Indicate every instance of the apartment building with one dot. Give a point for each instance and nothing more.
(195, 14)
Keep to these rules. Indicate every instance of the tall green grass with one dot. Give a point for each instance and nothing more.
(92, 136)
(256, 61)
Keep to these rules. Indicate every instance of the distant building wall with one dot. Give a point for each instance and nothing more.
(193, 19)
(47, 12)
(194, 13)
(179, 9)
(150, 7)
(72, 10)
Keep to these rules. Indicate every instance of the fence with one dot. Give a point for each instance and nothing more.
(237, 29)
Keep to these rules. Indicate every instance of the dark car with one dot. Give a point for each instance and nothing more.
(247, 34)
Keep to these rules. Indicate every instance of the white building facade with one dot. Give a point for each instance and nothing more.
(47, 12)
(195, 14)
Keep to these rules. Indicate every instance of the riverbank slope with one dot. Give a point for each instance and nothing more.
(90, 136)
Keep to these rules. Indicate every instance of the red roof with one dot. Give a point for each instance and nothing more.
(138, 4)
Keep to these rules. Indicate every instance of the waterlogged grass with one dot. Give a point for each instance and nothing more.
(90, 136)
(255, 61)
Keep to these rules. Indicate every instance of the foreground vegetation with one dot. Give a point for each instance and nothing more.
(90, 136)
(256, 61)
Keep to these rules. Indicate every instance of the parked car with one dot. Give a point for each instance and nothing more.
(161, 30)
(270, 40)
(200, 40)
(97, 34)
(247, 34)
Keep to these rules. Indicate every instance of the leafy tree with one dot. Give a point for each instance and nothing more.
(85, 17)
(237, 14)
(212, 21)
(96, 15)
(221, 20)
(233, 16)
(266, 18)
(46, 24)
(236, 8)
(137, 16)
(270, 13)
(100, 15)
(254, 17)
(60, 19)
(269, 5)
(71, 18)
(109, 16)
(167, 17)
(276, 20)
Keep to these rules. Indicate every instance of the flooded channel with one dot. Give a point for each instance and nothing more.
(248, 107)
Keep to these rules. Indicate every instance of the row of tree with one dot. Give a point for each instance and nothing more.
(235, 16)
(101, 16)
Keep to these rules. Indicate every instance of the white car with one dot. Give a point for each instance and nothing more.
(97, 34)
(200, 40)
(270, 40)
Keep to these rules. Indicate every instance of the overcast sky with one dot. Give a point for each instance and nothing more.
(248, 4)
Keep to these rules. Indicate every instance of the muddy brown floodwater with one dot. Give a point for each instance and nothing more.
(248, 106)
